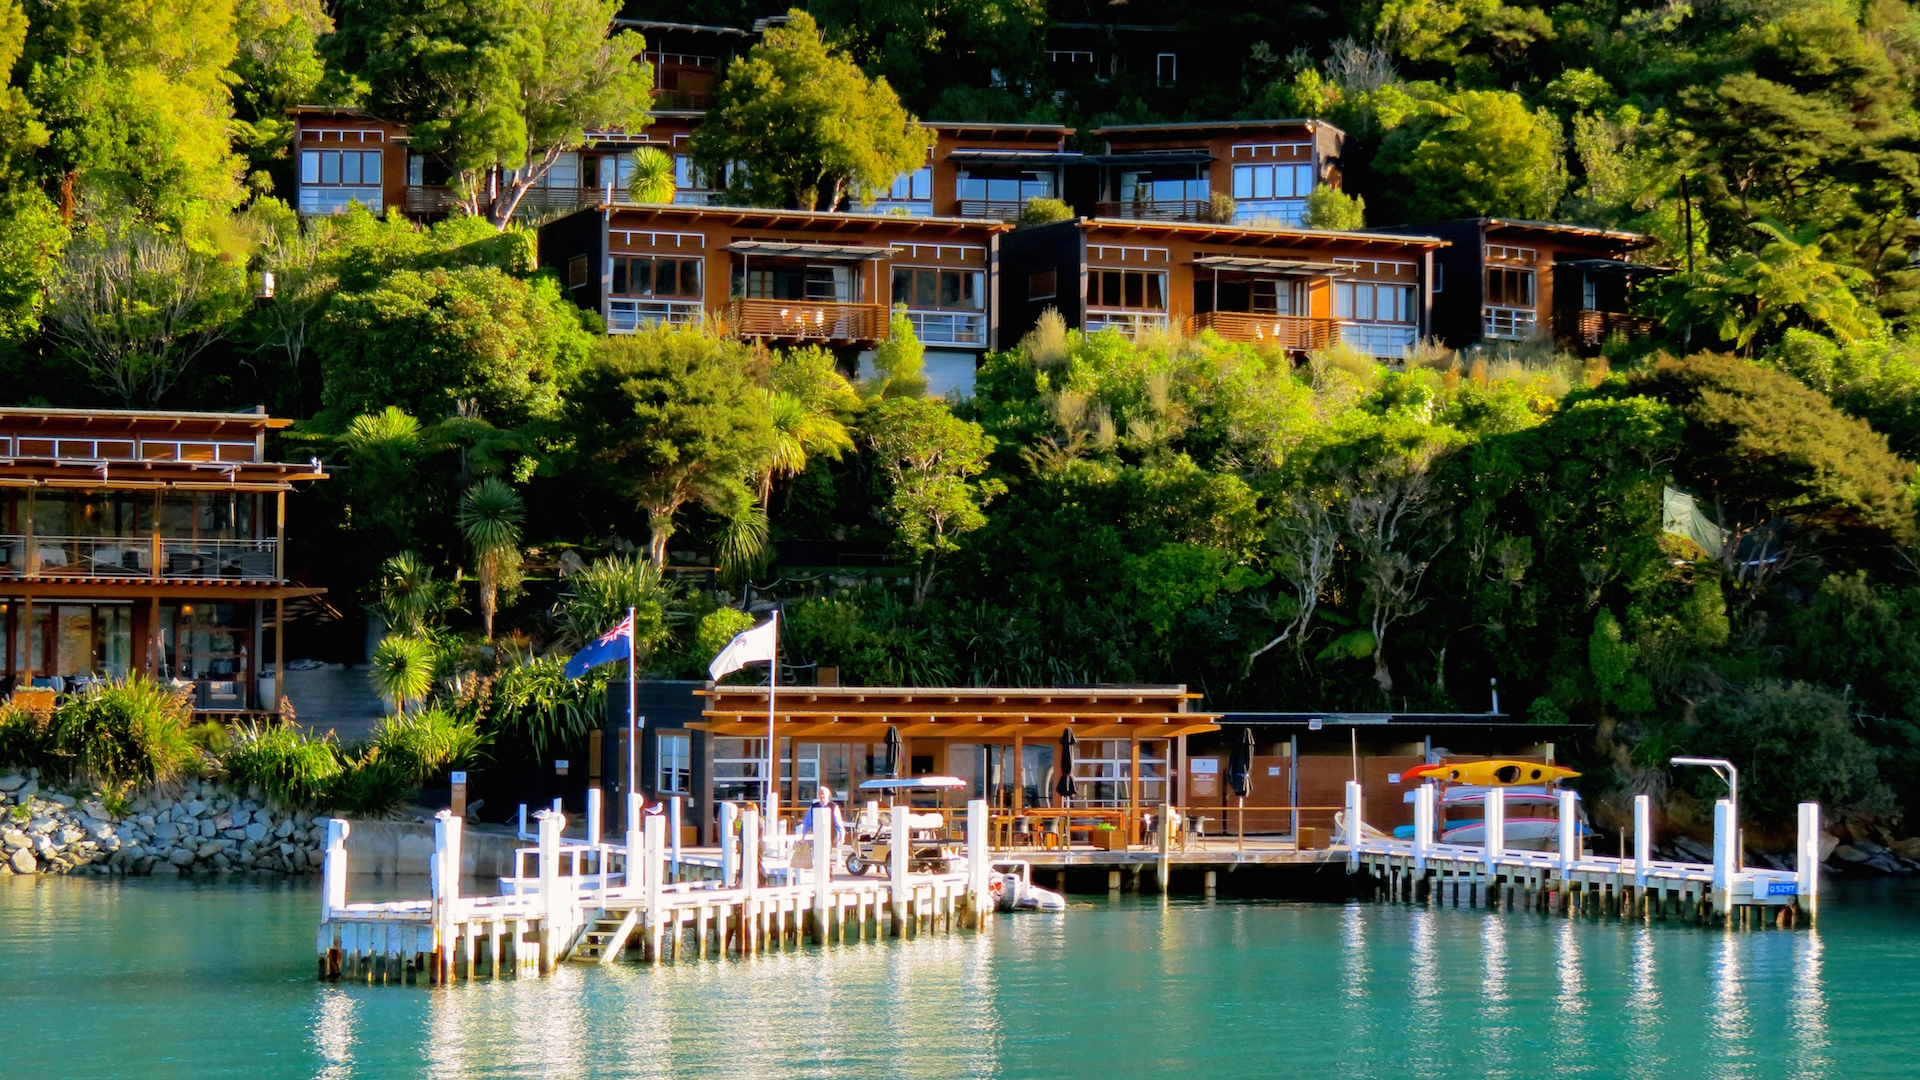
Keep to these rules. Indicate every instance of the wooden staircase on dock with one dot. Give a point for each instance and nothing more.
(604, 935)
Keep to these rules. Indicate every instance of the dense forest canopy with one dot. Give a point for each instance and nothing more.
(1279, 532)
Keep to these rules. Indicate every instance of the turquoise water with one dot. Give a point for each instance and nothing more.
(151, 979)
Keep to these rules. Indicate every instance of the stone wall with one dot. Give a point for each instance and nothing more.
(205, 829)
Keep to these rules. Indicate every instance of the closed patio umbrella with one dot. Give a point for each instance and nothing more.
(893, 752)
(1065, 786)
(1239, 778)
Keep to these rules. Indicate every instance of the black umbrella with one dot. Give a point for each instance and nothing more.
(893, 752)
(1240, 767)
(1065, 785)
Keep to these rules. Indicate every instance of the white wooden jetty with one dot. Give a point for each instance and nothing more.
(1570, 880)
(597, 901)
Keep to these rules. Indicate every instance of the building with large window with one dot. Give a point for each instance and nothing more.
(1171, 172)
(787, 276)
(145, 541)
(1298, 289)
(1503, 279)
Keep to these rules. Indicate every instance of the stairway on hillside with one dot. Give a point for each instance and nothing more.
(337, 697)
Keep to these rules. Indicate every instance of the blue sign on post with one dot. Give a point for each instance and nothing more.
(1783, 888)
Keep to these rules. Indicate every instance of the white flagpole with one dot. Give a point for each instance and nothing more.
(773, 684)
(633, 726)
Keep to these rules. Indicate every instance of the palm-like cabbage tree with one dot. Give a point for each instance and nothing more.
(652, 180)
(403, 668)
(489, 518)
(800, 431)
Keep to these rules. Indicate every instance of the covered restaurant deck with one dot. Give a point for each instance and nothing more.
(1129, 742)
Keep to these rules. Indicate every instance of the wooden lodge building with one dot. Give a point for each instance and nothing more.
(144, 541)
(1502, 279)
(1135, 748)
(1296, 288)
(787, 277)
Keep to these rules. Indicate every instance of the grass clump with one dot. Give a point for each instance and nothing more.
(289, 766)
(128, 731)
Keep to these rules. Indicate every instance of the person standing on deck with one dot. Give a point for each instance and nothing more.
(829, 811)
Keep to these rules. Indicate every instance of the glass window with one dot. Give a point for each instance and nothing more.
(675, 773)
(1343, 300)
(330, 167)
(310, 166)
(1138, 290)
(647, 275)
(1509, 287)
(564, 173)
(416, 169)
(1042, 285)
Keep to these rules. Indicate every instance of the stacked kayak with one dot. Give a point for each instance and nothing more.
(1532, 821)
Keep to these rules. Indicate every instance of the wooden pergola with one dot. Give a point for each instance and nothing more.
(993, 715)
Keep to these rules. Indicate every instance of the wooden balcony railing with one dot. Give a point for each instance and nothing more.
(809, 320)
(1296, 332)
(121, 557)
(682, 100)
(1156, 209)
(430, 200)
(1591, 327)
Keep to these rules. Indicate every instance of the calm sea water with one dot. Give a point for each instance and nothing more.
(148, 979)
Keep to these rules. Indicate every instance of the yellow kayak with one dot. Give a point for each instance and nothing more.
(1495, 773)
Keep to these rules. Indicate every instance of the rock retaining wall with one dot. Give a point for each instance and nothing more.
(206, 829)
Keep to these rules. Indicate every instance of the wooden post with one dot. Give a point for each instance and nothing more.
(1354, 827)
(1807, 863)
(1496, 826)
(334, 872)
(1642, 841)
(897, 882)
(656, 915)
(593, 816)
(729, 849)
(1422, 826)
(279, 652)
(673, 833)
(749, 877)
(1133, 791)
(1163, 869)
(1723, 862)
(1019, 774)
(1569, 835)
(977, 869)
(551, 823)
(446, 891)
(820, 828)
(457, 784)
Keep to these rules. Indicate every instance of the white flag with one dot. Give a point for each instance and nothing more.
(747, 647)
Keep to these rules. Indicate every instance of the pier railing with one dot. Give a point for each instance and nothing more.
(1568, 878)
(599, 900)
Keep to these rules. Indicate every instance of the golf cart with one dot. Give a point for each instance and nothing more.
(929, 850)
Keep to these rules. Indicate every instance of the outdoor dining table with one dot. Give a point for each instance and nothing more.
(1061, 817)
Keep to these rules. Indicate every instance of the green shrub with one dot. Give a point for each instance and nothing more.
(1792, 742)
(534, 705)
(25, 739)
(129, 730)
(370, 786)
(1039, 211)
(291, 767)
(426, 744)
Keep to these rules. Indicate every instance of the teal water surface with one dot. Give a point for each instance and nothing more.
(149, 979)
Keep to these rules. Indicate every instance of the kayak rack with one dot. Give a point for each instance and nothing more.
(1569, 881)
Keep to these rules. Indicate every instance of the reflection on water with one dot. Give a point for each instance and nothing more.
(1109, 990)
(1728, 1019)
(1643, 1006)
(333, 1034)
(1809, 1009)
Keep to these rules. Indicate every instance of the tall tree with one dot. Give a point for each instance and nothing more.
(797, 124)
(669, 418)
(490, 517)
(1474, 153)
(498, 91)
(930, 459)
(277, 65)
(136, 102)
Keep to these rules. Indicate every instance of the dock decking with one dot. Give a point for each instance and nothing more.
(631, 899)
